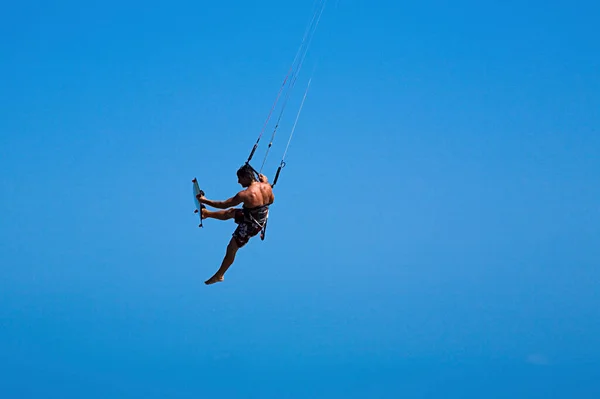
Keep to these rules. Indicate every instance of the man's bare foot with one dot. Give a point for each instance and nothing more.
(203, 213)
(214, 279)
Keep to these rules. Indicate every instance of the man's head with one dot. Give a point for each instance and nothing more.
(245, 175)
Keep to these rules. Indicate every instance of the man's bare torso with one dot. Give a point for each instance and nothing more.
(258, 194)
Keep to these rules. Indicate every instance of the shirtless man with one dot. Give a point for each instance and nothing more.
(256, 198)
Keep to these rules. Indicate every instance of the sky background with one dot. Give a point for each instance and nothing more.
(435, 231)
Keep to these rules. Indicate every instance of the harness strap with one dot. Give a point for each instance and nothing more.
(248, 214)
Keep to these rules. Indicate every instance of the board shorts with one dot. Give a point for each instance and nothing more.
(250, 222)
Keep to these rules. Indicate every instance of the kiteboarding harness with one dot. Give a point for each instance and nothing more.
(290, 81)
(288, 84)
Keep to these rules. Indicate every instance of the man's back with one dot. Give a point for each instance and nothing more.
(258, 194)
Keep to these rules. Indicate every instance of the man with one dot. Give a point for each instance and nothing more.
(256, 197)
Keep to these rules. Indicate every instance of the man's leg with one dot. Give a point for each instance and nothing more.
(220, 215)
(227, 261)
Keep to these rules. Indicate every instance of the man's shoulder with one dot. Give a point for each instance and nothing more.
(266, 185)
(243, 193)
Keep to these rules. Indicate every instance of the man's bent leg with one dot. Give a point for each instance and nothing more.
(220, 215)
(232, 249)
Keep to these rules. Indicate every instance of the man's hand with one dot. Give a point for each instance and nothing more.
(262, 178)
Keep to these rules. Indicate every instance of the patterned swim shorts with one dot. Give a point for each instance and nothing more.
(249, 223)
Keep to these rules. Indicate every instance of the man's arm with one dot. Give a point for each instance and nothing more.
(228, 203)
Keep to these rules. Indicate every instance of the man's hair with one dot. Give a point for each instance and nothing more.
(247, 172)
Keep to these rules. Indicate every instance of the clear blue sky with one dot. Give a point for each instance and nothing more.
(435, 233)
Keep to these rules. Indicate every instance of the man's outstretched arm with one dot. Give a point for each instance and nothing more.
(228, 203)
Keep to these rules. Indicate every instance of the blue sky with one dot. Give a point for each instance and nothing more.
(435, 231)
